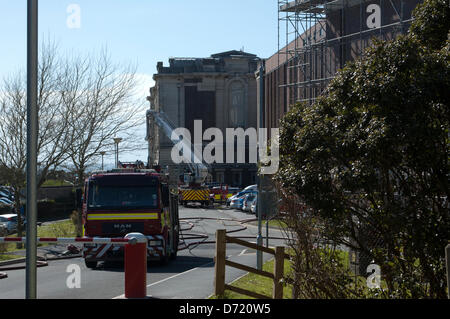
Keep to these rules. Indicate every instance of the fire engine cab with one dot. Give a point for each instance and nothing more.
(126, 200)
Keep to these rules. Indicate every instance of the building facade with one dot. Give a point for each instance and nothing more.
(221, 92)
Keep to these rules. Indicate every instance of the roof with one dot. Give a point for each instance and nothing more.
(213, 64)
(8, 215)
(233, 53)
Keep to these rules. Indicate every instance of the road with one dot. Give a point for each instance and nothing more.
(190, 276)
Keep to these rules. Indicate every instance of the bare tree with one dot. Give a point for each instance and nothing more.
(83, 102)
(54, 137)
(105, 104)
(318, 266)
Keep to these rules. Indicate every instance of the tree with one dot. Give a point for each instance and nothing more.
(371, 157)
(54, 118)
(83, 102)
(105, 102)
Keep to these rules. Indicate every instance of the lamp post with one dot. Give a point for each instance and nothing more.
(32, 133)
(117, 140)
(102, 154)
(259, 205)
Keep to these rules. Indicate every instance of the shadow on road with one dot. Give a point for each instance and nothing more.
(180, 264)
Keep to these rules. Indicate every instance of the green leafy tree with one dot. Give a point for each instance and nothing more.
(371, 157)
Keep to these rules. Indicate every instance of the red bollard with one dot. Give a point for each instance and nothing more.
(136, 266)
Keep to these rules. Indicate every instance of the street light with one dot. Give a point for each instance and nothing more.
(102, 154)
(32, 133)
(259, 209)
(117, 140)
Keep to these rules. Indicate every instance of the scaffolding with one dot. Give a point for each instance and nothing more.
(317, 37)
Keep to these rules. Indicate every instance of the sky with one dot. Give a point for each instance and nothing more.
(141, 32)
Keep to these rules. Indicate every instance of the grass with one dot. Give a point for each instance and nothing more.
(259, 284)
(8, 257)
(276, 223)
(59, 229)
(264, 286)
(273, 223)
(54, 182)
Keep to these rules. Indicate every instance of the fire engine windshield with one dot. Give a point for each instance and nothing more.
(111, 196)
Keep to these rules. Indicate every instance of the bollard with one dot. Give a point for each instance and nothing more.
(136, 266)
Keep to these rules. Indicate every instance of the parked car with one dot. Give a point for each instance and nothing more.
(248, 201)
(10, 221)
(254, 206)
(6, 195)
(251, 188)
(6, 201)
(240, 194)
(3, 230)
(237, 202)
(6, 192)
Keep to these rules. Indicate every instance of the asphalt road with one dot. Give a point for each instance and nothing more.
(191, 275)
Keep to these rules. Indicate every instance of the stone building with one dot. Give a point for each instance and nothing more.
(221, 91)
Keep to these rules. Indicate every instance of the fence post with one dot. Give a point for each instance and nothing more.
(136, 266)
(447, 262)
(278, 273)
(219, 280)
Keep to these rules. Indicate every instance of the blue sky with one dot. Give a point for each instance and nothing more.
(143, 31)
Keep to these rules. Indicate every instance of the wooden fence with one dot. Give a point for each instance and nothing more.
(220, 262)
(447, 263)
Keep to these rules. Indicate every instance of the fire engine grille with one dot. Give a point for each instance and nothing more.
(122, 228)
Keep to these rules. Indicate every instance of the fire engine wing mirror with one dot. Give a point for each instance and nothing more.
(165, 195)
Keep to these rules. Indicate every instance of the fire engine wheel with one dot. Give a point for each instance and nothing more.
(164, 259)
(173, 255)
(90, 264)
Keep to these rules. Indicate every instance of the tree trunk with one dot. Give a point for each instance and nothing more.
(17, 207)
(80, 207)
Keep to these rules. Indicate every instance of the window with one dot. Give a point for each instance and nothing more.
(252, 178)
(122, 197)
(220, 177)
(237, 178)
(237, 107)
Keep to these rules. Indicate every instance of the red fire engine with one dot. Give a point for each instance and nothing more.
(219, 193)
(123, 201)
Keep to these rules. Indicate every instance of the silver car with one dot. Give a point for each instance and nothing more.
(10, 221)
(254, 206)
(3, 230)
(248, 201)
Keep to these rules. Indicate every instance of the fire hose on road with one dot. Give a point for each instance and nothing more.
(205, 236)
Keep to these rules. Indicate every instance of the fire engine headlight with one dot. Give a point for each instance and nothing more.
(155, 243)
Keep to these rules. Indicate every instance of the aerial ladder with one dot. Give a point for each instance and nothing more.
(193, 188)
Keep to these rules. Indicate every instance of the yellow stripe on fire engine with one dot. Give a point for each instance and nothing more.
(122, 216)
